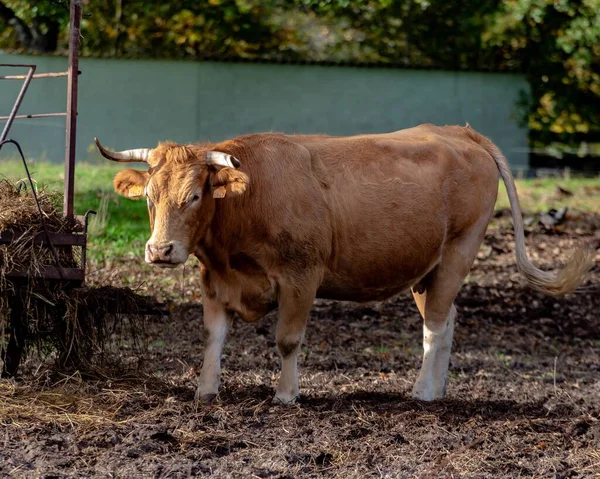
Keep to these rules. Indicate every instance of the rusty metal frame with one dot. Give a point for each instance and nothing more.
(59, 240)
(10, 118)
(72, 86)
(71, 114)
(28, 77)
(52, 240)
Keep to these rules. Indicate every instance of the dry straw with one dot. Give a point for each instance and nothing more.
(73, 322)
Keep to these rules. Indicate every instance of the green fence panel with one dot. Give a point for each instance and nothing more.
(136, 103)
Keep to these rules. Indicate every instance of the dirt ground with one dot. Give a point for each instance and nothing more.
(523, 397)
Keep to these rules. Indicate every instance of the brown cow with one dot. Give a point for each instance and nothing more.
(278, 220)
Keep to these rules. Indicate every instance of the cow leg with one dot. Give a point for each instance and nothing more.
(294, 308)
(437, 346)
(442, 358)
(216, 323)
(436, 305)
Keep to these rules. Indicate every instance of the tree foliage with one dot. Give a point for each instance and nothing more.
(150, 28)
(34, 26)
(556, 43)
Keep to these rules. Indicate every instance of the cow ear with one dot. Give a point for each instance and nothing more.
(131, 183)
(228, 181)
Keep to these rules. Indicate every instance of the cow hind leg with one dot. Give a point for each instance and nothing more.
(435, 300)
(437, 346)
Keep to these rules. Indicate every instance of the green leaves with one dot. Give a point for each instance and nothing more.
(152, 28)
(557, 44)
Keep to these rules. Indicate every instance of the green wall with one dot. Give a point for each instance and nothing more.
(135, 103)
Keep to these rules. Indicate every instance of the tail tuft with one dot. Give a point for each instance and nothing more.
(566, 281)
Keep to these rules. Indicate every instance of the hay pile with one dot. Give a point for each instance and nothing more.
(74, 323)
(85, 328)
(18, 210)
(19, 215)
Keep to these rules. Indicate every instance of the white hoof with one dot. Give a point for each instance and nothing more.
(428, 392)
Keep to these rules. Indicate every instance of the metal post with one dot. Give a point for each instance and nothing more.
(72, 106)
(17, 104)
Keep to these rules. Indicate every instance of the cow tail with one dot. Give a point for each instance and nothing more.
(573, 273)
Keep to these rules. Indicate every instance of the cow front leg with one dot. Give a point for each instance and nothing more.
(294, 308)
(216, 323)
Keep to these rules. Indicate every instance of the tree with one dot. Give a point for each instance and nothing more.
(557, 44)
(36, 27)
(419, 33)
(150, 28)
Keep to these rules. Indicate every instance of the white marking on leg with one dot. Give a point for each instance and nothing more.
(424, 386)
(442, 357)
(437, 346)
(216, 322)
(287, 389)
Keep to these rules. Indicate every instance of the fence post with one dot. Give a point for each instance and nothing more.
(72, 78)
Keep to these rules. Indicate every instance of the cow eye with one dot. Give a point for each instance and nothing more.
(195, 198)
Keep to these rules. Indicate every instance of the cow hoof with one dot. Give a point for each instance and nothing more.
(422, 393)
(206, 398)
(440, 392)
(283, 400)
(428, 394)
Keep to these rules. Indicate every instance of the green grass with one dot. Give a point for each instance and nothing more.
(122, 228)
(538, 195)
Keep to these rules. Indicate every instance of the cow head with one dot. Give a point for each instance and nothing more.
(181, 186)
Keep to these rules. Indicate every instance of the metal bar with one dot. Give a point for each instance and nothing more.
(37, 75)
(72, 106)
(17, 65)
(17, 104)
(49, 272)
(35, 115)
(84, 248)
(57, 239)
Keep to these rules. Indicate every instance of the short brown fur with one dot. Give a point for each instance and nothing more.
(357, 218)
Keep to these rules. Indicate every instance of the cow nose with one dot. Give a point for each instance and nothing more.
(160, 252)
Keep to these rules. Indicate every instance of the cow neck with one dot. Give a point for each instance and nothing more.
(222, 237)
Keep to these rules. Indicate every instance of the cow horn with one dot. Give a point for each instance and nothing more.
(218, 158)
(125, 156)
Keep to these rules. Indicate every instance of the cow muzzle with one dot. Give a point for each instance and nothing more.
(166, 254)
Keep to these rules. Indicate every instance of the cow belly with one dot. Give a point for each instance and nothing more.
(383, 261)
(377, 280)
(387, 236)
(360, 295)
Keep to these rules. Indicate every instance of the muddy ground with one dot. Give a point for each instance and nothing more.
(523, 398)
